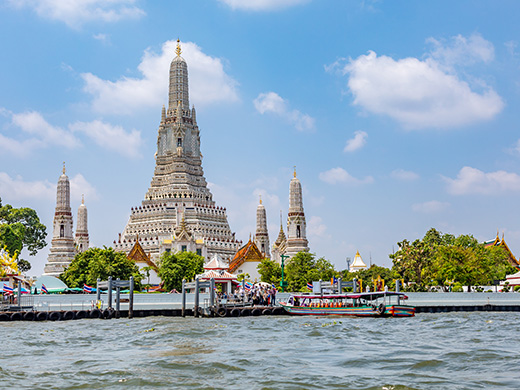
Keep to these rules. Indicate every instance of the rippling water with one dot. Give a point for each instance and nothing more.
(429, 351)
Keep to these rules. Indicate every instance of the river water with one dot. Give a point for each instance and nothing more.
(477, 350)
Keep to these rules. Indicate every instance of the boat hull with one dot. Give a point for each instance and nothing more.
(359, 311)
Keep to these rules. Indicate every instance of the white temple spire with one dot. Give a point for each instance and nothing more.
(62, 250)
(262, 234)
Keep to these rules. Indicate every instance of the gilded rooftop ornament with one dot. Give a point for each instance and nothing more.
(178, 51)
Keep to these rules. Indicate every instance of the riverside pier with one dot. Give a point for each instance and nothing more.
(82, 306)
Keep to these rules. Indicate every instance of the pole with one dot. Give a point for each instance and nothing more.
(211, 292)
(118, 298)
(196, 308)
(110, 292)
(98, 291)
(183, 310)
(131, 299)
(282, 283)
(19, 295)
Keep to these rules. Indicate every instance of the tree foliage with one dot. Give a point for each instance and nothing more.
(174, 267)
(303, 268)
(96, 263)
(21, 228)
(270, 272)
(443, 259)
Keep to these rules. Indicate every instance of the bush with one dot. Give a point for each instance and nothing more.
(517, 288)
(457, 287)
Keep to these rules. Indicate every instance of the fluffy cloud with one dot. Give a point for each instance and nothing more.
(340, 176)
(76, 13)
(272, 103)
(316, 227)
(262, 5)
(359, 140)
(79, 186)
(208, 82)
(17, 188)
(433, 206)
(401, 174)
(40, 133)
(474, 181)
(424, 93)
(111, 137)
(462, 51)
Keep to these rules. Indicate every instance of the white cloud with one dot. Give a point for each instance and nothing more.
(401, 174)
(41, 134)
(273, 103)
(104, 38)
(208, 82)
(462, 51)
(75, 13)
(433, 206)
(340, 176)
(473, 181)
(424, 93)
(262, 5)
(17, 188)
(359, 140)
(316, 227)
(111, 137)
(33, 123)
(80, 186)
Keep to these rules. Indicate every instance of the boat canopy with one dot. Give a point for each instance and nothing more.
(367, 295)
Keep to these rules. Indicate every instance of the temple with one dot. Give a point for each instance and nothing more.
(502, 243)
(81, 238)
(296, 226)
(246, 261)
(262, 235)
(178, 212)
(358, 263)
(63, 247)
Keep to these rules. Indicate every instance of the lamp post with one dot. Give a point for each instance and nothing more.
(348, 264)
(283, 283)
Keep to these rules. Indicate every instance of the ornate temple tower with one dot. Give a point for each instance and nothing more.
(280, 245)
(81, 238)
(178, 191)
(62, 250)
(262, 235)
(296, 226)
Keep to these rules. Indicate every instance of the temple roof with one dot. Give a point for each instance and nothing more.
(216, 263)
(358, 263)
(138, 255)
(249, 252)
(502, 243)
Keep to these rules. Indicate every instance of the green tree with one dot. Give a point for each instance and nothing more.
(96, 263)
(371, 274)
(175, 267)
(303, 268)
(21, 228)
(23, 266)
(442, 259)
(270, 271)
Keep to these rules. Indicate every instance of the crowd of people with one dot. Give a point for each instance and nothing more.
(258, 295)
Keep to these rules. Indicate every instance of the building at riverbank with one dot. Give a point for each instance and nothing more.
(178, 212)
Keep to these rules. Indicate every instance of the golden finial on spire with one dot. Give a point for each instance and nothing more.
(178, 51)
(260, 199)
(295, 171)
(82, 198)
(63, 167)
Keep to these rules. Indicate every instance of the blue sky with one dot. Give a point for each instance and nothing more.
(398, 115)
